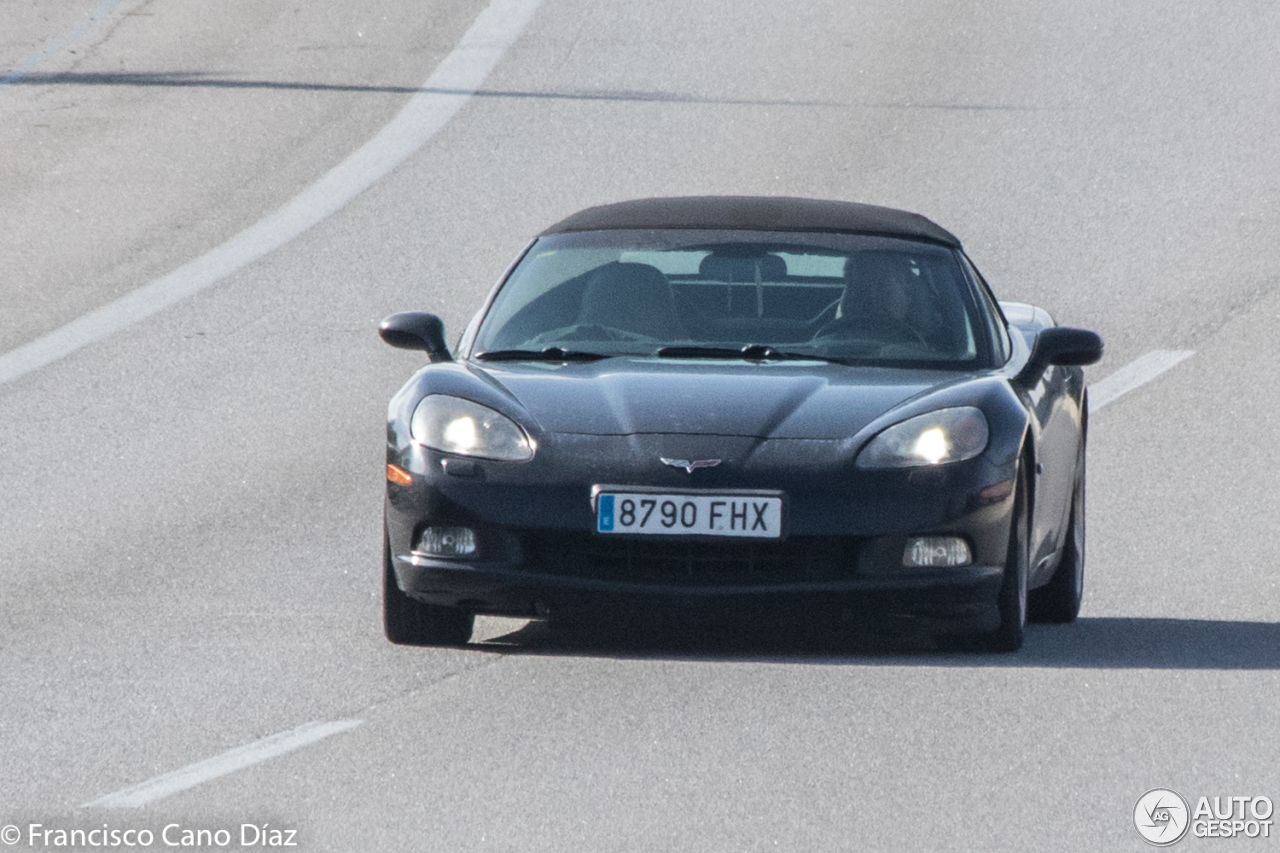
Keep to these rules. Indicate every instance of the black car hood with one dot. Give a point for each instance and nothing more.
(800, 400)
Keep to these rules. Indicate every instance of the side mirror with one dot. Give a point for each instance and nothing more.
(416, 330)
(1060, 345)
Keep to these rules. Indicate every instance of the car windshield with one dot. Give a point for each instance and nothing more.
(736, 294)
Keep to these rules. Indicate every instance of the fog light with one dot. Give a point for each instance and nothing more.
(447, 541)
(936, 551)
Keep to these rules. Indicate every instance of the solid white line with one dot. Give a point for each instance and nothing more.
(220, 765)
(446, 90)
(1133, 375)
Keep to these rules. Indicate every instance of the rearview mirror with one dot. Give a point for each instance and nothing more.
(416, 330)
(1061, 345)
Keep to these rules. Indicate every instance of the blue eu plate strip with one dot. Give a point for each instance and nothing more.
(604, 516)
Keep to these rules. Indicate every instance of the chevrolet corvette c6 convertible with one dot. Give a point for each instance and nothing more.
(741, 407)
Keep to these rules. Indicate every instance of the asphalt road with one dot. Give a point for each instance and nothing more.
(190, 507)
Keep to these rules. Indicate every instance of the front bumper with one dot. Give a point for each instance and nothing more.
(951, 600)
(538, 555)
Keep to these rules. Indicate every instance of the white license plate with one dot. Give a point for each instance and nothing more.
(700, 514)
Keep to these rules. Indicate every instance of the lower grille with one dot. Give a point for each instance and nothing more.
(584, 555)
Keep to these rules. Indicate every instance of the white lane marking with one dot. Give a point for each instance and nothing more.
(445, 92)
(220, 765)
(1133, 375)
(57, 44)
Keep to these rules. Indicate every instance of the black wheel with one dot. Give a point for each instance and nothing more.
(1059, 600)
(571, 627)
(411, 623)
(1013, 591)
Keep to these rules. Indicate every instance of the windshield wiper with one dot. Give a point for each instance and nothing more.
(751, 352)
(548, 354)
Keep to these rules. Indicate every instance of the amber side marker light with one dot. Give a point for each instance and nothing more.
(399, 476)
(996, 492)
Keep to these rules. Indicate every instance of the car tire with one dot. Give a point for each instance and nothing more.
(573, 627)
(411, 623)
(1059, 600)
(1012, 601)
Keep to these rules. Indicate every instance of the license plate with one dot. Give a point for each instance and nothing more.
(689, 514)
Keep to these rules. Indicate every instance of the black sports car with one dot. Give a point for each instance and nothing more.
(740, 406)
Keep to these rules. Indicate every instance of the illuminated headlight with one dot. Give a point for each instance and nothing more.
(947, 435)
(460, 426)
(936, 552)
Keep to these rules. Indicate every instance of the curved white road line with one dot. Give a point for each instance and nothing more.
(446, 90)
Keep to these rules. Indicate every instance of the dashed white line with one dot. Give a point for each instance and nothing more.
(220, 765)
(445, 92)
(1133, 375)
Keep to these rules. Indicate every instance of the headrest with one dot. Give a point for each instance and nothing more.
(617, 275)
(742, 269)
(880, 267)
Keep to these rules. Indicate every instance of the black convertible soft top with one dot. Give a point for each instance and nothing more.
(760, 213)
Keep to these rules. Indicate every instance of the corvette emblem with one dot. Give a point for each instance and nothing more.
(690, 465)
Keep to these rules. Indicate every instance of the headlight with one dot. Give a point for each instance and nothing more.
(460, 426)
(947, 435)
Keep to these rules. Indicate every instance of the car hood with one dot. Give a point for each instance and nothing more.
(801, 400)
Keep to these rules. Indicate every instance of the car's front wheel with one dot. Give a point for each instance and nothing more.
(1059, 600)
(411, 623)
(1012, 601)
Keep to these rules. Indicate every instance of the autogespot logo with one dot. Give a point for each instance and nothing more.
(1162, 817)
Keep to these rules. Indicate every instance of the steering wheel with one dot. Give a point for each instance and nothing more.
(881, 327)
(586, 332)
